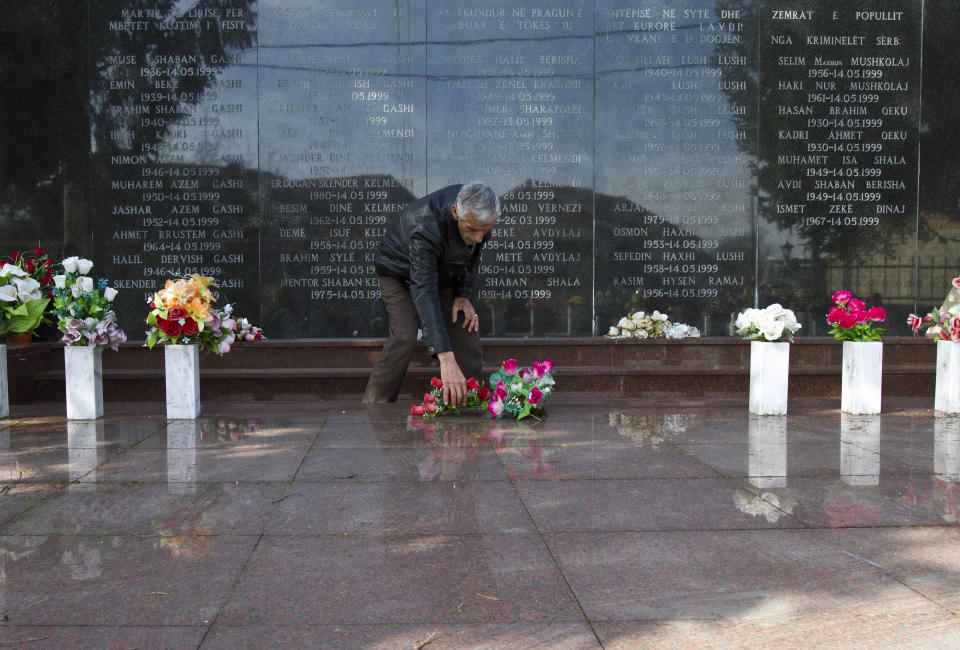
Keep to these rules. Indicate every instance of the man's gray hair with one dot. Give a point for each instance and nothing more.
(479, 200)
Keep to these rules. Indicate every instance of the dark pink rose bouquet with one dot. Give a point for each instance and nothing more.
(852, 320)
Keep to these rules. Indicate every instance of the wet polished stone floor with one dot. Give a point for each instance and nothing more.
(611, 523)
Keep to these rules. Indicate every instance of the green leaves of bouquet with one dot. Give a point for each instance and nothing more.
(23, 299)
(519, 393)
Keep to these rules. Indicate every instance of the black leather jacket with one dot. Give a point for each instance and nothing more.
(423, 247)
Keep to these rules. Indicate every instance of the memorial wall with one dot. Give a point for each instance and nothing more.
(692, 156)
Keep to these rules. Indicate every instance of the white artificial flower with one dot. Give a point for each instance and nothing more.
(86, 283)
(772, 329)
(109, 293)
(84, 266)
(775, 310)
(75, 290)
(12, 269)
(27, 289)
(8, 293)
(60, 281)
(228, 309)
(638, 315)
(656, 315)
(70, 264)
(626, 324)
(640, 333)
(613, 331)
(90, 323)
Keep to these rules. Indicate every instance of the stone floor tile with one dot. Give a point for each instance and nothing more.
(15, 498)
(471, 461)
(451, 507)
(152, 509)
(546, 636)
(248, 464)
(641, 505)
(56, 637)
(794, 575)
(395, 580)
(119, 580)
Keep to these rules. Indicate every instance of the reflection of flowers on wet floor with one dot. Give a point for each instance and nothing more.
(770, 505)
(654, 429)
(229, 429)
(848, 509)
(948, 493)
(452, 443)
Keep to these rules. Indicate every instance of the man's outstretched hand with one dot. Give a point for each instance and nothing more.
(471, 322)
(454, 383)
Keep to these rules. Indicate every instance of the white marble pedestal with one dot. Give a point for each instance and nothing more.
(947, 395)
(83, 373)
(862, 377)
(769, 377)
(182, 369)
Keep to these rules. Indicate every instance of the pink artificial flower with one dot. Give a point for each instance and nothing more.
(510, 366)
(495, 408)
(847, 320)
(533, 450)
(535, 396)
(954, 329)
(956, 283)
(525, 375)
(430, 407)
(429, 397)
(500, 392)
(497, 436)
(914, 322)
(548, 365)
(538, 369)
(855, 304)
(842, 297)
(417, 409)
(862, 316)
(835, 314)
(877, 314)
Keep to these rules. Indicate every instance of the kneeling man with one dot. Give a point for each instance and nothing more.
(427, 263)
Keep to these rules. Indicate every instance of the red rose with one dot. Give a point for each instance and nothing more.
(47, 262)
(48, 277)
(29, 266)
(430, 408)
(835, 314)
(15, 255)
(416, 409)
(190, 327)
(472, 384)
(847, 320)
(429, 397)
(483, 393)
(878, 314)
(38, 251)
(436, 383)
(176, 313)
(171, 328)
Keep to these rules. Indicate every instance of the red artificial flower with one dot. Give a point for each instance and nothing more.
(47, 262)
(535, 396)
(842, 297)
(29, 266)
(914, 322)
(48, 277)
(171, 328)
(416, 409)
(483, 393)
(38, 251)
(878, 314)
(472, 384)
(176, 313)
(856, 304)
(429, 397)
(190, 327)
(862, 316)
(847, 320)
(436, 383)
(835, 314)
(430, 408)
(15, 255)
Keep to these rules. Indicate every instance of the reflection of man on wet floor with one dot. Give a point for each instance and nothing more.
(427, 263)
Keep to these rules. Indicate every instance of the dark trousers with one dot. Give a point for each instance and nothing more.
(391, 368)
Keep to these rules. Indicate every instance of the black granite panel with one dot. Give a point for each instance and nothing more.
(173, 150)
(676, 98)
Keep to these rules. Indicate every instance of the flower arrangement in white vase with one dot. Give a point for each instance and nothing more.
(855, 325)
(84, 310)
(769, 331)
(943, 324)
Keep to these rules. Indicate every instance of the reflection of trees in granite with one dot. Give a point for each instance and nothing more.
(767, 504)
(652, 429)
(802, 281)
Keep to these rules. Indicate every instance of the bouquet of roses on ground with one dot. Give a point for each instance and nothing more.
(774, 324)
(83, 307)
(519, 393)
(852, 320)
(183, 313)
(515, 392)
(942, 323)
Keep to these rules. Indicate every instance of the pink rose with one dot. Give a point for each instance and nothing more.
(548, 365)
(842, 297)
(877, 314)
(495, 408)
(914, 322)
(847, 321)
(535, 396)
(430, 407)
(855, 304)
(500, 392)
(956, 283)
(538, 370)
(862, 316)
(510, 366)
(835, 314)
(525, 375)
(416, 409)
(954, 329)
